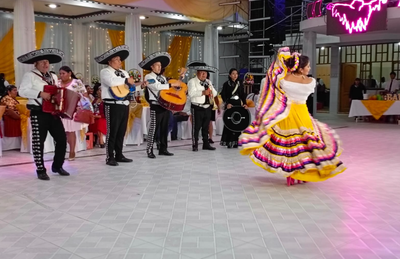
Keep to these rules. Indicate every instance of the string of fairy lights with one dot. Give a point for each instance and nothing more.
(148, 38)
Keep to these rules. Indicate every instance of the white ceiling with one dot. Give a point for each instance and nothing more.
(143, 7)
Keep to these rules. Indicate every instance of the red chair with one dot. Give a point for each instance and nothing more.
(12, 127)
(89, 140)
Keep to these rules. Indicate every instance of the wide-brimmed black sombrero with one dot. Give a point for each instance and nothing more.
(204, 67)
(51, 54)
(121, 51)
(237, 118)
(163, 57)
(195, 63)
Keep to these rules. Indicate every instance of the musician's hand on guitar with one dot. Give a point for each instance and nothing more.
(131, 81)
(219, 111)
(229, 106)
(45, 96)
(144, 84)
(245, 106)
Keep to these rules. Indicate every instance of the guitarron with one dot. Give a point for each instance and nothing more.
(174, 99)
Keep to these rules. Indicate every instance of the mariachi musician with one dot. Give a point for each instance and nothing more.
(202, 93)
(114, 80)
(32, 87)
(234, 98)
(159, 116)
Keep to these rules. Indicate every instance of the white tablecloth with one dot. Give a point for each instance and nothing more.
(358, 109)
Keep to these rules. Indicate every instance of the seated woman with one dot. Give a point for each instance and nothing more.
(12, 120)
(99, 127)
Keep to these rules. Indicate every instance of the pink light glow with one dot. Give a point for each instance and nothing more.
(359, 9)
(314, 6)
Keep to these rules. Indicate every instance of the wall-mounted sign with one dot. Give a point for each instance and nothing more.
(314, 9)
(356, 16)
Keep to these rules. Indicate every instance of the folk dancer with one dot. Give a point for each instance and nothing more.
(116, 111)
(159, 116)
(201, 92)
(31, 87)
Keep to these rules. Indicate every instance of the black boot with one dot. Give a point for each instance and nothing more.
(112, 162)
(42, 175)
(165, 153)
(150, 154)
(207, 146)
(195, 147)
(60, 171)
(123, 159)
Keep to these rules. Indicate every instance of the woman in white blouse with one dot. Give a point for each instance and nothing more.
(69, 81)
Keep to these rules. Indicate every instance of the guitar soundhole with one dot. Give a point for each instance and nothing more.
(174, 95)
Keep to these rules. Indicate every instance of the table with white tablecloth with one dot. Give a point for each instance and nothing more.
(358, 108)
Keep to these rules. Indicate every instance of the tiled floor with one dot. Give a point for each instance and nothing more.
(211, 205)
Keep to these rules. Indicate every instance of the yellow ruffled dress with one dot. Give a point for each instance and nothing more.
(284, 138)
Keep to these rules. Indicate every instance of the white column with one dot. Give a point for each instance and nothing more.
(211, 53)
(24, 35)
(334, 82)
(133, 38)
(310, 50)
(79, 52)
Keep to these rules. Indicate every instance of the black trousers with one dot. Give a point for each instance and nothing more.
(42, 123)
(175, 119)
(159, 120)
(117, 120)
(201, 119)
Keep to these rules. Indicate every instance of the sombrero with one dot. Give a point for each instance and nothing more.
(121, 51)
(203, 67)
(163, 57)
(51, 54)
(195, 63)
(237, 118)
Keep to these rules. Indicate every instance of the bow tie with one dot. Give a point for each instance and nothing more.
(119, 73)
(160, 79)
(205, 84)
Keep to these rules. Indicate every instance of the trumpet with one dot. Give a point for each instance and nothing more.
(211, 97)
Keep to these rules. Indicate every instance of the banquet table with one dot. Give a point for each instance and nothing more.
(374, 108)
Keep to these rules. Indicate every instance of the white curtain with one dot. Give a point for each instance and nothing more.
(59, 35)
(151, 42)
(196, 49)
(98, 42)
(165, 40)
(79, 38)
(24, 29)
(6, 22)
(133, 38)
(211, 53)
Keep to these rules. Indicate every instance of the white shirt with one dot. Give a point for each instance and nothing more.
(32, 84)
(298, 92)
(6, 83)
(262, 84)
(195, 90)
(156, 87)
(108, 78)
(395, 85)
(187, 107)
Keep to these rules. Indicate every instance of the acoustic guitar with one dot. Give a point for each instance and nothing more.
(174, 99)
(120, 92)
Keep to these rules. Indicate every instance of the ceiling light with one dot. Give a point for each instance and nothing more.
(237, 26)
(219, 28)
(52, 6)
(322, 48)
(142, 17)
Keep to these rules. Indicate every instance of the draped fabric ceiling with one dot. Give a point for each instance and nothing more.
(208, 10)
